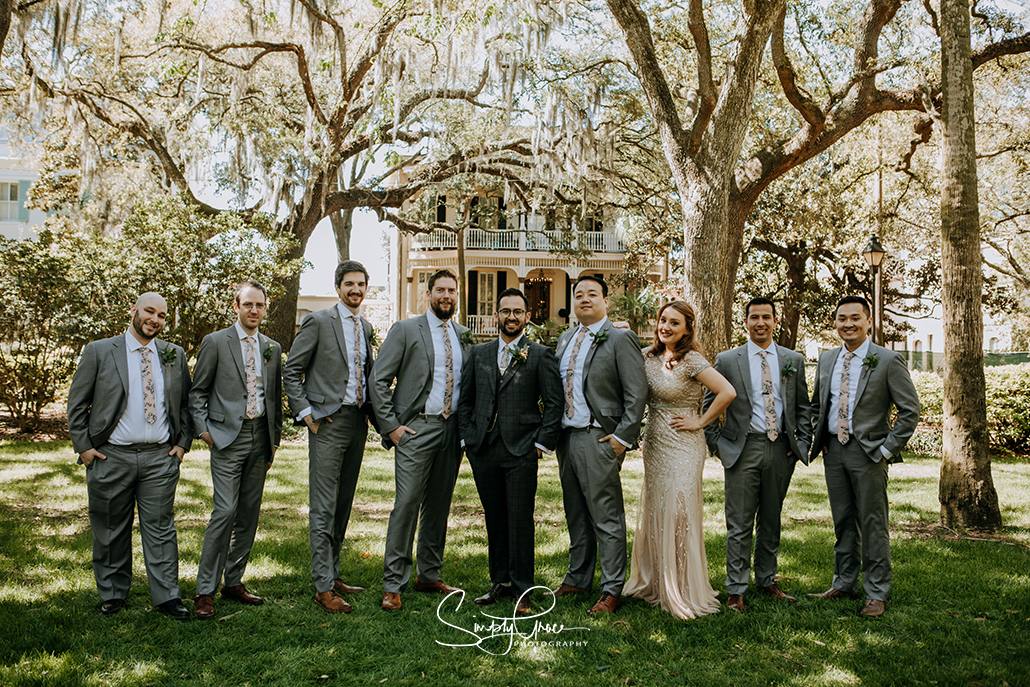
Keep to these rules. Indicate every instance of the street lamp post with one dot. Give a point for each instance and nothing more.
(873, 254)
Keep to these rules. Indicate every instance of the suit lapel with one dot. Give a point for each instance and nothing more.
(166, 373)
(865, 374)
(488, 370)
(236, 351)
(592, 349)
(334, 317)
(785, 388)
(563, 341)
(266, 366)
(427, 341)
(744, 370)
(825, 373)
(121, 361)
(512, 365)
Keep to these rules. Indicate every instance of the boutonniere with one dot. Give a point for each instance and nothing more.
(466, 338)
(870, 361)
(788, 370)
(373, 338)
(600, 336)
(520, 353)
(168, 356)
(269, 350)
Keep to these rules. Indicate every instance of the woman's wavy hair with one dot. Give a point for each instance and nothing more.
(685, 345)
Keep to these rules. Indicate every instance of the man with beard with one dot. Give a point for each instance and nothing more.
(326, 382)
(419, 417)
(504, 432)
(128, 416)
(237, 409)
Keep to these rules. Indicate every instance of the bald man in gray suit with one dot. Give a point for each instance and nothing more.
(128, 416)
(856, 387)
(236, 403)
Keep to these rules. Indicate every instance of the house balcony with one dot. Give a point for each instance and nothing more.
(541, 241)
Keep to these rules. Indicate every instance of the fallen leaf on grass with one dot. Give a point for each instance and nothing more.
(954, 613)
(229, 616)
(366, 555)
(1009, 610)
(818, 642)
(383, 680)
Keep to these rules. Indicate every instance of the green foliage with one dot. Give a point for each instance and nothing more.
(637, 307)
(547, 333)
(37, 294)
(1008, 406)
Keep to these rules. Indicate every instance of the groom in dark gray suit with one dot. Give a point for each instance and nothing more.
(856, 387)
(504, 383)
(605, 390)
(129, 420)
(236, 403)
(326, 382)
(768, 428)
(419, 416)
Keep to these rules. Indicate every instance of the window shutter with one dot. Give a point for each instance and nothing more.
(23, 190)
(472, 286)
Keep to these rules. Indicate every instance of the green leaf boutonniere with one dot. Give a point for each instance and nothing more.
(520, 353)
(168, 356)
(269, 351)
(373, 338)
(870, 362)
(600, 336)
(466, 338)
(788, 370)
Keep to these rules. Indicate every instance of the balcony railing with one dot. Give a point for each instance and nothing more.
(482, 325)
(480, 239)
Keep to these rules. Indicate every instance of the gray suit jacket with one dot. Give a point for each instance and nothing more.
(614, 381)
(406, 355)
(888, 384)
(100, 390)
(797, 419)
(512, 401)
(317, 370)
(218, 399)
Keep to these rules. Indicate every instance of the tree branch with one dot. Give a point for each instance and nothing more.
(788, 81)
(705, 84)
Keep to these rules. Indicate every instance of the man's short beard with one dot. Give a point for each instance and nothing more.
(137, 326)
(435, 307)
(521, 328)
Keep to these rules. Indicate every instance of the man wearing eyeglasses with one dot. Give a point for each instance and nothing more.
(509, 413)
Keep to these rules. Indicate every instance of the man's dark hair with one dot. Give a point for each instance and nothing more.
(854, 299)
(512, 292)
(349, 266)
(250, 283)
(594, 278)
(758, 301)
(441, 274)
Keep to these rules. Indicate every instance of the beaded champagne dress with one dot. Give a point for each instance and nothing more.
(669, 567)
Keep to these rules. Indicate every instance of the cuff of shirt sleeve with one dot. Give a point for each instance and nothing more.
(885, 453)
(303, 414)
(543, 448)
(622, 441)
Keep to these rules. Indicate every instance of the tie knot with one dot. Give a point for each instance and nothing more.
(848, 355)
(249, 339)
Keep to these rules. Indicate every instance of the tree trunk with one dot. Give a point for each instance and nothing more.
(967, 495)
(6, 11)
(796, 262)
(343, 223)
(281, 323)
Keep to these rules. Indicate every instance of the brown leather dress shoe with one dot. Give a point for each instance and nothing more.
(391, 601)
(735, 603)
(203, 607)
(832, 594)
(608, 603)
(873, 608)
(775, 592)
(497, 591)
(523, 607)
(569, 590)
(341, 587)
(240, 593)
(332, 603)
(437, 587)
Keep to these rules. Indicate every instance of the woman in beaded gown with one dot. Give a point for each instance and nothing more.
(668, 566)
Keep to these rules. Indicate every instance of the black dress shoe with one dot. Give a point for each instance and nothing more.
(498, 591)
(174, 609)
(112, 606)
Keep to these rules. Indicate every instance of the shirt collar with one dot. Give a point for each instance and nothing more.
(513, 344)
(596, 326)
(754, 349)
(240, 332)
(344, 311)
(133, 344)
(861, 352)
(435, 321)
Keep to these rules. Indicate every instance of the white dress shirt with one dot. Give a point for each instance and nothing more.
(854, 376)
(347, 319)
(133, 427)
(580, 410)
(434, 404)
(757, 399)
(259, 361)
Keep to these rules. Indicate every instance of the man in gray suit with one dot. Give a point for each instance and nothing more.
(504, 431)
(326, 381)
(128, 416)
(856, 386)
(605, 390)
(419, 416)
(236, 403)
(768, 428)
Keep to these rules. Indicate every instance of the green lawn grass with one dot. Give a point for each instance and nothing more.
(959, 612)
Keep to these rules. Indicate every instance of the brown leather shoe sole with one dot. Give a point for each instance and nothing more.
(833, 594)
(240, 593)
(437, 587)
(341, 587)
(735, 603)
(873, 608)
(775, 592)
(568, 590)
(606, 604)
(332, 603)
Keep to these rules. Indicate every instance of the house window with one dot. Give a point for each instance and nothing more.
(423, 286)
(8, 201)
(486, 297)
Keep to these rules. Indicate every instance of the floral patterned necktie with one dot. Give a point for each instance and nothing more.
(505, 358)
(571, 372)
(842, 400)
(767, 395)
(149, 395)
(448, 362)
(359, 371)
(252, 390)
